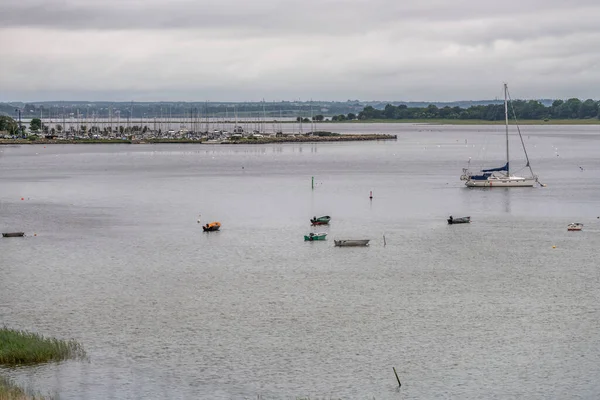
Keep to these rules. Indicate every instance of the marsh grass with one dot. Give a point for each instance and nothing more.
(22, 348)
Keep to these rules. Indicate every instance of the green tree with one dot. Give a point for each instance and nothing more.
(318, 117)
(7, 124)
(390, 112)
(59, 128)
(351, 116)
(431, 111)
(588, 109)
(35, 124)
(573, 106)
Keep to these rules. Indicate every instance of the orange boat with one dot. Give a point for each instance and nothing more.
(213, 226)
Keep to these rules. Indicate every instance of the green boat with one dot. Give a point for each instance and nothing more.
(324, 220)
(315, 236)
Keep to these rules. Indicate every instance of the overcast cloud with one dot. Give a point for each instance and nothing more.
(236, 50)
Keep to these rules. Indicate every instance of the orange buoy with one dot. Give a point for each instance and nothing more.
(22, 198)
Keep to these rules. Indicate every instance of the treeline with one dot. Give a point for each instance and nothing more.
(531, 109)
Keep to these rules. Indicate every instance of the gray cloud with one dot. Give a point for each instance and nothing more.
(330, 49)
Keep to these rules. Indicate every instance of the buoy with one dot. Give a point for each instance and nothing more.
(35, 234)
(22, 198)
(553, 247)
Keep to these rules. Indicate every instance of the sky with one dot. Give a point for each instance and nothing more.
(249, 50)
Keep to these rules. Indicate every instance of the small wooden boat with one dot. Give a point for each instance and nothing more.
(315, 236)
(351, 242)
(213, 226)
(461, 220)
(324, 220)
(13, 234)
(575, 226)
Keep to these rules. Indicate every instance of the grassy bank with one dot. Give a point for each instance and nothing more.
(22, 348)
(26, 348)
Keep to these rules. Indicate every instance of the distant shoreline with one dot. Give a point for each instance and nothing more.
(264, 140)
(589, 121)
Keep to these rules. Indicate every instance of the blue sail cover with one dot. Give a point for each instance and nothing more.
(505, 168)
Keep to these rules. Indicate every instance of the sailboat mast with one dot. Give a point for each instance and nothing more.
(506, 123)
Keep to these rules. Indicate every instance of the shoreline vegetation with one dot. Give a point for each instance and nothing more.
(572, 109)
(22, 348)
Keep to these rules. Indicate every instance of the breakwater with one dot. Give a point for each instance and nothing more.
(255, 140)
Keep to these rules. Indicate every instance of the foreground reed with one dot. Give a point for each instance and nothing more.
(22, 347)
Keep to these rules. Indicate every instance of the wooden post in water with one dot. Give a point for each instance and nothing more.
(312, 183)
(384, 241)
(398, 379)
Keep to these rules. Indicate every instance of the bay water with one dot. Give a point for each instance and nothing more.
(114, 257)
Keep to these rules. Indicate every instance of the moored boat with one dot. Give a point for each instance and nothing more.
(13, 234)
(213, 226)
(351, 242)
(461, 220)
(315, 236)
(575, 226)
(502, 176)
(324, 220)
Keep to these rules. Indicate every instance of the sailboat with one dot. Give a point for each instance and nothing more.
(501, 176)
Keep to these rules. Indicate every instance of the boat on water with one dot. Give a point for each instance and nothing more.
(315, 236)
(213, 226)
(351, 242)
(324, 220)
(13, 234)
(501, 176)
(575, 226)
(461, 220)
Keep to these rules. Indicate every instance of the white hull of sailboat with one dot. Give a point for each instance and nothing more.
(510, 181)
(501, 177)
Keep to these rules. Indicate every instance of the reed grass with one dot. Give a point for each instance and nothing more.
(22, 348)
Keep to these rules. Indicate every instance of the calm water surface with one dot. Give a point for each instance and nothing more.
(487, 310)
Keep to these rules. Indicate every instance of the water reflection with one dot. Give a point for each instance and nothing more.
(506, 199)
(488, 200)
